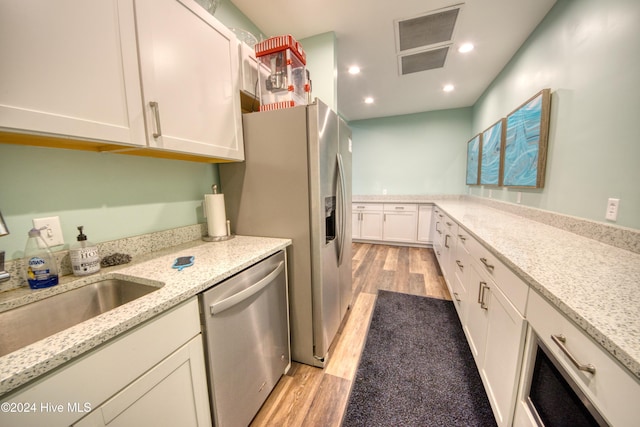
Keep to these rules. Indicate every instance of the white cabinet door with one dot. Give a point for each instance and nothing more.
(355, 225)
(174, 392)
(371, 226)
(69, 68)
(503, 354)
(477, 316)
(190, 79)
(399, 226)
(424, 223)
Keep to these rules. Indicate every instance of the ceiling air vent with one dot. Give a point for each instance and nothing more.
(423, 42)
(423, 61)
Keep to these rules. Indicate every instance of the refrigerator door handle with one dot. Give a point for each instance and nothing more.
(342, 208)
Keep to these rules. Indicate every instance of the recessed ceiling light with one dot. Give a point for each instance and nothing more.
(465, 47)
(354, 69)
(368, 100)
(448, 88)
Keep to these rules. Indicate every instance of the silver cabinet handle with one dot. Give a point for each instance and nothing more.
(449, 223)
(439, 231)
(399, 207)
(360, 207)
(486, 264)
(456, 296)
(461, 237)
(560, 340)
(460, 265)
(156, 112)
(446, 241)
(441, 216)
(481, 288)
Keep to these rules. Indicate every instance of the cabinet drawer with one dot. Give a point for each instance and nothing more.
(360, 207)
(406, 207)
(510, 284)
(612, 389)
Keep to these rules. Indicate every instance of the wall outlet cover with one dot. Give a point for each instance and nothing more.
(612, 209)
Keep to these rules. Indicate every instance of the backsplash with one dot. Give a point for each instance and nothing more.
(134, 246)
(614, 235)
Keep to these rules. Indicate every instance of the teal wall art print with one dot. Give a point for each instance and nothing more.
(491, 164)
(473, 160)
(525, 152)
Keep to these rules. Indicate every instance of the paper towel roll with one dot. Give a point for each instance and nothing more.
(216, 215)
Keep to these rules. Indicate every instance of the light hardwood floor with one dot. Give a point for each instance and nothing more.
(309, 396)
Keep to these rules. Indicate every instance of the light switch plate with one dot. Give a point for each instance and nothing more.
(52, 233)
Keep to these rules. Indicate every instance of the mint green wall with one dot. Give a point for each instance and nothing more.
(412, 154)
(588, 53)
(322, 59)
(112, 195)
(230, 15)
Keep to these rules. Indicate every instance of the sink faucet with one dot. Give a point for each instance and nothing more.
(3, 232)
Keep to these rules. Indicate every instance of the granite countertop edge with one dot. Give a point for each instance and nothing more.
(214, 262)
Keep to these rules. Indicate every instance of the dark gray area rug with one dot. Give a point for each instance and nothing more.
(416, 368)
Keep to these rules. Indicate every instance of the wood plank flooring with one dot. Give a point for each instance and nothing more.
(309, 396)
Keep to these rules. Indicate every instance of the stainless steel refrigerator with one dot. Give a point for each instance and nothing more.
(296, 183)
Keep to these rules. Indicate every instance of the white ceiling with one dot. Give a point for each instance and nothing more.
(365, 32)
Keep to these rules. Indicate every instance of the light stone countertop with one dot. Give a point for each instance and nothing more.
(214, 262)
(594, 284)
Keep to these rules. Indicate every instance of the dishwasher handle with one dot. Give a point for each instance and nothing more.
(235, 299)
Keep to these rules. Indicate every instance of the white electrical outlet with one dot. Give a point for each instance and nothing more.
(612, 209)
(52, 233)
(384, 192)
(519, 197)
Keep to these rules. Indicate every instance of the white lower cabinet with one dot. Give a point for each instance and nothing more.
(400, 223)
(424, 223)
(152, 375)
(367, 220)
(493, 325)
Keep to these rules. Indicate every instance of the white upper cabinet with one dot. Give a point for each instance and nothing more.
(158, 74)
(190, 79)
(69, 68)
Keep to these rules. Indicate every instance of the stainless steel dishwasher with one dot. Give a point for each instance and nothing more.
(246, 332)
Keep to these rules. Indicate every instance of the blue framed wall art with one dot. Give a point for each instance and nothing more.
(527, 133)
(473, 160)
(491, 159)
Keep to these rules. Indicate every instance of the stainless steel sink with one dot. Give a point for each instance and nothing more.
(32, 322)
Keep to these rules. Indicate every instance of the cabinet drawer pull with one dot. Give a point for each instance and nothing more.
(360, 207)
(456, 296)
(461, 237)
(446, 241)
(437, 229)
(156, 112)
(483, 286)
(460, 265)
(560, 341)
(449, 223)
(486, 264)
(399, 207)
(441, 216)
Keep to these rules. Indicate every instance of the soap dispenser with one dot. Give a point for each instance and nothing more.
(40, 264)
(84, 255)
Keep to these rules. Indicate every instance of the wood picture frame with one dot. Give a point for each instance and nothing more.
(526, 141)
(491, 154)
(474, 153)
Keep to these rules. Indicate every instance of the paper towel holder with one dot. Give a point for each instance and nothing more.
(207, 238)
